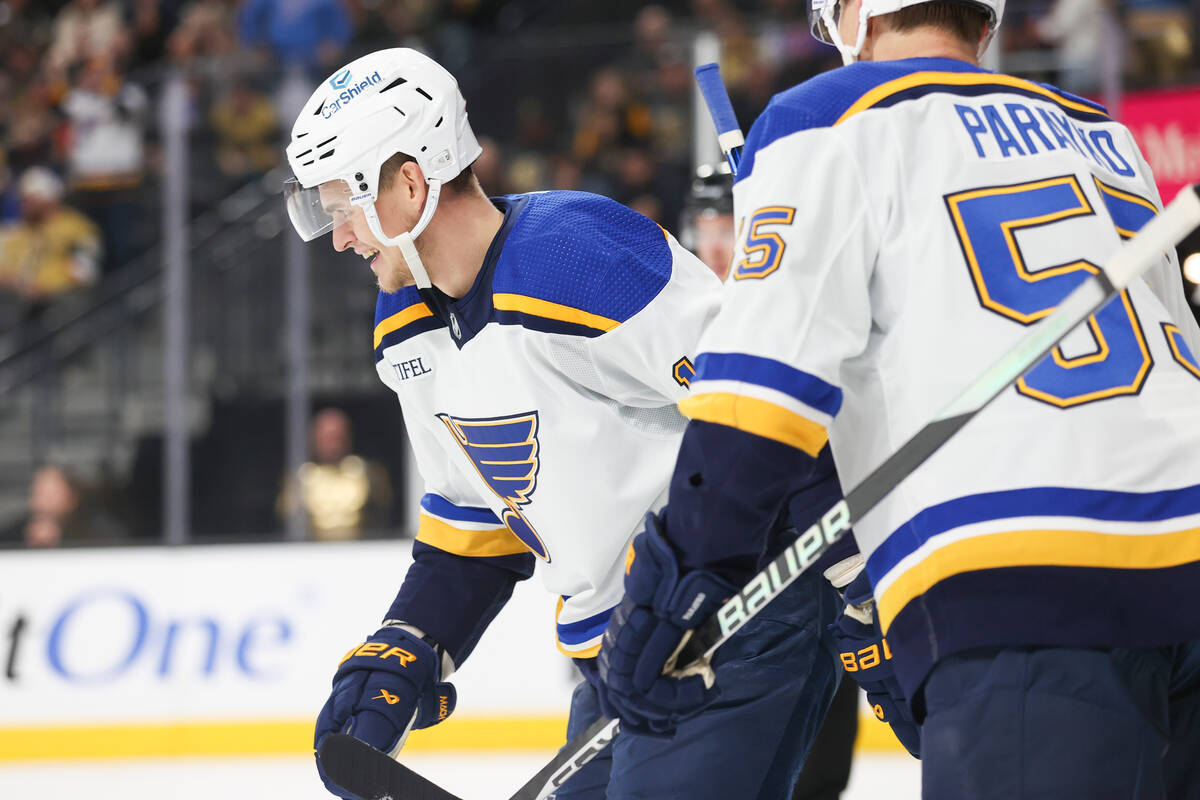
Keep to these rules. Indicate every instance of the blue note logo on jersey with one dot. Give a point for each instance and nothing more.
(505, 452)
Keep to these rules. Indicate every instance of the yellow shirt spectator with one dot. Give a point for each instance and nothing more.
(50, 257)
(53, 249)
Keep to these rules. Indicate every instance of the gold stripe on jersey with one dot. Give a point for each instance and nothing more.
(401, 318)
(473, 544)
(1173, 333)
(1039, 548)
(537, 307)
(1113, 191)
(760, 417)
(886, 90)
(591, 652)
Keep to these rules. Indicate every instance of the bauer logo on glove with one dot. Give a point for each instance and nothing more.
(867, 657)
(383, 689)
(379, 650)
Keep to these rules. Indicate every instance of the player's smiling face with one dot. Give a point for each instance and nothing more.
(351, 232)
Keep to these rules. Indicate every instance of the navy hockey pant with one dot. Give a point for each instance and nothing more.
(1043, 723)
(777, 676)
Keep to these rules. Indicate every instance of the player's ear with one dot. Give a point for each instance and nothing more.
(411, 182)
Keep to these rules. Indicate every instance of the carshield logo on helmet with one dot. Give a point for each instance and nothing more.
(346, 95)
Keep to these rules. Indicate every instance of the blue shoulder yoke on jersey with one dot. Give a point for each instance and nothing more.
(562, 262)
(580, 264)
(833, 97)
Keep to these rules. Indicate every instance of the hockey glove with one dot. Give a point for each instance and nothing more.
(866, 658)
(645, 633)
(382, 689)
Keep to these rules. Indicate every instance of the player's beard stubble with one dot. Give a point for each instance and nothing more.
(391, 271)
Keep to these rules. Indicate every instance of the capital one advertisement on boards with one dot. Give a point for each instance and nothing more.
(225, 649)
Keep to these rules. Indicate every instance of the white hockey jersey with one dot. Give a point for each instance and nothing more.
(901, 223)
(542, 408)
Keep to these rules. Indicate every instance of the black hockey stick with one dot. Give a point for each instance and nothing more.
(355, 765)
(365, 771)
(375, 776)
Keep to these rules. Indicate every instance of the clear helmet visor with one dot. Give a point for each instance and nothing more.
(823, 18)
(316, 210)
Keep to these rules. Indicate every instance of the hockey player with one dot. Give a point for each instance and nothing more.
(707, 227)
(538, 344)
(708, 230)
(903, 219)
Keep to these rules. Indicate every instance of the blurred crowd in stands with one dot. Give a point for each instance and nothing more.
(565, 94)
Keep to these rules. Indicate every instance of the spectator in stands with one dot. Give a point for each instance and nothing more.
(526, 172)
(10, 207)
(205, 29)
(1163, 33)
(84, 30)
(653, 43)
(566, 174)
(307, 33)
(401, 22)
(53, 501)
(344, 495)
(54, 249)
(1083, 33)
(106, 157)
(150, 24)
(535, 129)
(643, 184)
(247, 130)
(26, 21)
(32, 128)
(60, 514)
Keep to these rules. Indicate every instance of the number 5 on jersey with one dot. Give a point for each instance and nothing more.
(763, 249)
(988, 220)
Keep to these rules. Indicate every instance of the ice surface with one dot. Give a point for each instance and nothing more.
(473, 776)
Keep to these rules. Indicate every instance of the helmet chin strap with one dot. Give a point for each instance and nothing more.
(987, 40)
(849, 54)
(405, 241)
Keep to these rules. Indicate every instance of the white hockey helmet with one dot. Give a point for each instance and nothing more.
(391, 101)
(824, 15)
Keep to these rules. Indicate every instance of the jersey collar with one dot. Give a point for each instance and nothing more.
(469, 315)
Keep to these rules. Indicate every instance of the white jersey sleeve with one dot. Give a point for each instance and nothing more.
(649, 360)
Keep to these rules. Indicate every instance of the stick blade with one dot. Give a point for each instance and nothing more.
(362, 770)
